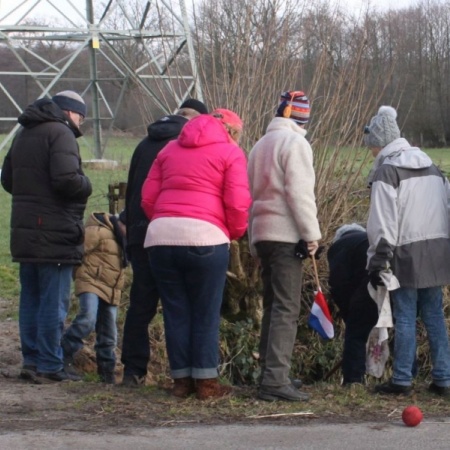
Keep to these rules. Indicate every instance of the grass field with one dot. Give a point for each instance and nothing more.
(237, 338)
(120, 149)
(441, 157)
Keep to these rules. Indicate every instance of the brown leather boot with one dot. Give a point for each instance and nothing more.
(211, 388)
(183, 387)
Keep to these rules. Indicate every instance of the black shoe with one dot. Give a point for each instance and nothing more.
(393, 389)
(28, 372)
(69, 367)
(442, 391)
(62, 375)
(352, 381)
(349, 384)
(133, 380)
(107, 377)
(297, 383)
(287, 393)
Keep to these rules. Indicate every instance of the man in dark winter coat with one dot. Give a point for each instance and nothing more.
(143, 294)
(42, 171)
(348, 280)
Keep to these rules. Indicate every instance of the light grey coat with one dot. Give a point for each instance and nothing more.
(408, 225)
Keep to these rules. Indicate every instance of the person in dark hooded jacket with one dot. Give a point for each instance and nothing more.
(348, 280)
(144, 296)
(42, 171)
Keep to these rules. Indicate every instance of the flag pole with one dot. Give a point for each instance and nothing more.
(316, 275)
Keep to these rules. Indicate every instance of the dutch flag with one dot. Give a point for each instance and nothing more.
(320, 318)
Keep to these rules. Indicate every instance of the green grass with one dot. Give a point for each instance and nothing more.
(441, 157)
(119, 149)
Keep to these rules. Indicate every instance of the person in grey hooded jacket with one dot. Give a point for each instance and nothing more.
(408, 231)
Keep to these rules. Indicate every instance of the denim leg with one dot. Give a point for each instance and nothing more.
(191, 282)
(361, 317)
(205, 282)
(168, 268)
(432, 314)
(405, 312)
(44, 300)
(106, 339)
(281, 275)
(144, 299)
(55, 282)
(28, 312)
(83, 324)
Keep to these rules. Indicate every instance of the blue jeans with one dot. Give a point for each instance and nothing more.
(191, 281)
(144, 300)
(44, 302)
(94, 313)
(428, 302)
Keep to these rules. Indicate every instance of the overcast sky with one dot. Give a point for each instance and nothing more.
(45, 9)
(381, 4)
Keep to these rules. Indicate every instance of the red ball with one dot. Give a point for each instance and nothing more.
(412, 416)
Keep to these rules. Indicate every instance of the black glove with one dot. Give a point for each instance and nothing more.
(319, 252)
(375, 279)
(302, 252)
(301, 249)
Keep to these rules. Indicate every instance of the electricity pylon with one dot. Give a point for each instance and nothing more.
(147, 46)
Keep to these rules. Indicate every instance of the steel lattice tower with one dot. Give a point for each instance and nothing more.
(150, 49)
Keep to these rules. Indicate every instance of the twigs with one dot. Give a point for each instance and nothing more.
(294, 414)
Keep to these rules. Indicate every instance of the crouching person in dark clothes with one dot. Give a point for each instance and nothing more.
(98, 284)
(347, 259)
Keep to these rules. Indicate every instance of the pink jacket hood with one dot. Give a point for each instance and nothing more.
(201, 175)
(203, 130)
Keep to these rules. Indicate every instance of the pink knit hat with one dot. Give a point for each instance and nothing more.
(229, 118)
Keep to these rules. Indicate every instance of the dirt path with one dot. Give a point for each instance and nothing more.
(71, 406)
(90, 406)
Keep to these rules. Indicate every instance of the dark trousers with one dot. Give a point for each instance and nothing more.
(144, 299)
(281, 275)
(191, 281)
(360, 314)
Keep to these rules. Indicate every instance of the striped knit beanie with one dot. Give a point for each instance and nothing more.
(294, 105)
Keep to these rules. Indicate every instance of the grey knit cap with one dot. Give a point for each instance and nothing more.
(344, 229)
(70, 101)
(383, 128)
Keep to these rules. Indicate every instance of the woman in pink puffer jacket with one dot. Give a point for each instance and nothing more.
(196, 197)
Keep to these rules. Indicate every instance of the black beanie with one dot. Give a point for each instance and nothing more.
(194, 104)
(70, 101)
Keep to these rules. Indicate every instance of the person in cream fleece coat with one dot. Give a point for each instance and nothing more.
(283, 211)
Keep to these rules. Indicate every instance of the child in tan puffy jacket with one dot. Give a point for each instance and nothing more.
(99, 281)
